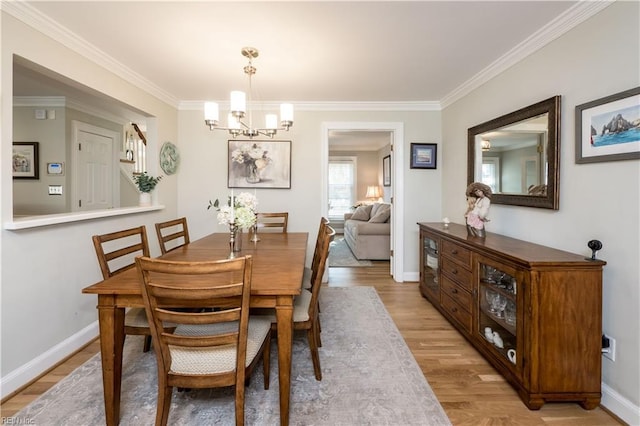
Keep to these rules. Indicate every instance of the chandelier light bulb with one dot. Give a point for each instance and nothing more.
(286, 112)
(238, 103)
(271, 121)
(211, 112)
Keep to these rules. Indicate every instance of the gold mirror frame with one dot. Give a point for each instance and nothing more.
(551, 107)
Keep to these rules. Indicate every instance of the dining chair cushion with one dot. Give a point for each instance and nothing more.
(300, 308)
(216, 359)
(306, 278)
(136, 317)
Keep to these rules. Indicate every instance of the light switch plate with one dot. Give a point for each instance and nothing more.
(55, 189)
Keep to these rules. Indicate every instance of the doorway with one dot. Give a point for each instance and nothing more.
(396, 131)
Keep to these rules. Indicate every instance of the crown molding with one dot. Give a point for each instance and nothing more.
(554, 29)
(39, 101)
(329, 106)
(35, 19)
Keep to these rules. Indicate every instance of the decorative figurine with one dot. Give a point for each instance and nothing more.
(478, 200)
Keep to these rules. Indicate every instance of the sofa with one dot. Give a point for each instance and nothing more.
(367, 231)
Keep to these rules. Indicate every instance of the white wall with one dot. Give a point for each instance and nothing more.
(600, 201)
(43, 312)
(206, 176)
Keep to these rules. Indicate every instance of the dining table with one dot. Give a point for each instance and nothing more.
(278, 269)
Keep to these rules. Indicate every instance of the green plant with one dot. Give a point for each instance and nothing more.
(145, 182)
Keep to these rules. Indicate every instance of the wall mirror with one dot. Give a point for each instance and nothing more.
(518, 156)
(57, 112)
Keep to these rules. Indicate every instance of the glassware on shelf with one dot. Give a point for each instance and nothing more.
(491, 296)
(498, 305)
(510, 313)
(489, 274)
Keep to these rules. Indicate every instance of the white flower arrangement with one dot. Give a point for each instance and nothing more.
(244, 211)
(251, 154)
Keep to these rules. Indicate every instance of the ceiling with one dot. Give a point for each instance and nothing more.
(310, 51)
(385, 52)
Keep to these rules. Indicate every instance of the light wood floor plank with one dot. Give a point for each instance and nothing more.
(470, 390)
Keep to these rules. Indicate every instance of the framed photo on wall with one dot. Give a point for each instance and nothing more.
(607, 130)
(424, 155)
(386, 171)
(259, 164)
(25, 161)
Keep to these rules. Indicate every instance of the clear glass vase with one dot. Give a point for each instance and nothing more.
(252, 173)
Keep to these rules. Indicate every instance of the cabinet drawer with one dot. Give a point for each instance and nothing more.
(457, 273)
(457, 253)
(454, 291)
(455, 310)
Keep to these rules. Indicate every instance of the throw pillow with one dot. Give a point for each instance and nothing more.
(381, 216)
(362, 213)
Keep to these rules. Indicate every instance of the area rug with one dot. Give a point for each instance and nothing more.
(340, 255)
(369, 377)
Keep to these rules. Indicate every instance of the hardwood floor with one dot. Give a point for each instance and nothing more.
(469, 389)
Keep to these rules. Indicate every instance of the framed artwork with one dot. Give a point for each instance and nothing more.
(25, 160)
(607, 129)
(259, 164)
(386, 171)
(424, 155)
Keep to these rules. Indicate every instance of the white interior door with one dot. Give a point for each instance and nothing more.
(95, 151)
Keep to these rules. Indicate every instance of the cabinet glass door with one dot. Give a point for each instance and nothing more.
(498, 316)
(430, 267)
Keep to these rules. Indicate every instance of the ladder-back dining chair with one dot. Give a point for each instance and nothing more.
(276, 222)
(116, 252)
(316, 254)
(212, 348)
(172, 234)
(306, 309)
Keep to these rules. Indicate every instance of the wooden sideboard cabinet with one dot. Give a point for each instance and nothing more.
(534, 312)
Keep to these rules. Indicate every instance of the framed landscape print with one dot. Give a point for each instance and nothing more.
(259, 164)
(25, 160)
(608, 129)
(424, 155)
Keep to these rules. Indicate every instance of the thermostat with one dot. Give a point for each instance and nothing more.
(55, 168)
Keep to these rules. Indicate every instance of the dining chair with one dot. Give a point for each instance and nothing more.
(212, 348)
(116, 252)
(273, 221)
(172, 234)
(308, 272)
(306, 308)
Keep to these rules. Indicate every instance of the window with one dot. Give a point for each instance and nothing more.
(342, 186)
(491, 173)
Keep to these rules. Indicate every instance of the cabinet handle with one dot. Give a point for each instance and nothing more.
(454, 290)
(454, 251)
(454, 271)
(454, 309)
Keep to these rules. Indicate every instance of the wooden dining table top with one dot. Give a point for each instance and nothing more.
(273, 257)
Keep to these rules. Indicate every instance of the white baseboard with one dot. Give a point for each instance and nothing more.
(37, 366)
(411, 277)
(620, 406)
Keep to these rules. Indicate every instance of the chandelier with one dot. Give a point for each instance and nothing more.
(486, 145)
(238, 110)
